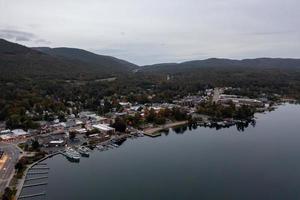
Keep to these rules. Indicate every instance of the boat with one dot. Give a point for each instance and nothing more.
(115, 145)
(120, 141)
(102, 147)
(141, 133)
(72, 154)
(84, 151)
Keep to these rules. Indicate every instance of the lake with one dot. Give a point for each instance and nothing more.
(261, 162)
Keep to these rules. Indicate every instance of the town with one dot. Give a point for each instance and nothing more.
(76, 134)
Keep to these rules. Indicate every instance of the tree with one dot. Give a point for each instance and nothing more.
(62, 117)
(178, 114)
(160, 120)
(8, 194)
(119, 125)
(35, 145)
(19, 166)
(150, 115)
(72, 135)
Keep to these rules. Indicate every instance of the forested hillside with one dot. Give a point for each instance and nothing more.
(17, 61)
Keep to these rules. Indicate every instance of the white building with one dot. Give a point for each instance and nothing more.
(8, 135)
(104, 128)
(19, 132)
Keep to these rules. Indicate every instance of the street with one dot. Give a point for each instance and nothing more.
(216, 96)
(7, 164)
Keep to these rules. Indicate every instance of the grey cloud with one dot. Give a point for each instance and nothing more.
(272, 32)
(42, 41)
(18, 36)
(21, 36)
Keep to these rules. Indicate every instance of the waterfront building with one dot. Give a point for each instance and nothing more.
(104, 128)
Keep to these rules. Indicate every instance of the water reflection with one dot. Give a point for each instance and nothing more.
(240, 126)
(180, 129)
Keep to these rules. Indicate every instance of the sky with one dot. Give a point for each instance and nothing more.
(157, 31)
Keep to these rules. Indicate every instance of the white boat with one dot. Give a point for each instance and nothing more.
(115, 145)
(84, 151)
(102, 147)
(141, 133)
(72, 154)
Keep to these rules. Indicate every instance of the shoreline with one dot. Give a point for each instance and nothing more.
(153, 132)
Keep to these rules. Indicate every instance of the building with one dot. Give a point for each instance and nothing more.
(16, 133)
(4, 132)
(80, 130)
(125, 104)
(240, 101)
(56, 143)
(104, 128)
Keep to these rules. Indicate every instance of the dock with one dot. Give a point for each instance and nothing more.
(36, 178)
(33, 173)
(35, 184)
(32, 195)
(37, 168)
(41, 164)
(40, 168)
(153, 134)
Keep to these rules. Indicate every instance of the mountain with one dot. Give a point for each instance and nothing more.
(213, 63)
(18, 61)
(105, 62)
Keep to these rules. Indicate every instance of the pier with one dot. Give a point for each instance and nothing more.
(32, 195)
(39, 168)
(36, 178)
(41, 164)
(153, 134)
(35, 184)
(33, 173)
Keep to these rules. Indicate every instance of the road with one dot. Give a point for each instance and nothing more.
(216, 96)
(7, 166)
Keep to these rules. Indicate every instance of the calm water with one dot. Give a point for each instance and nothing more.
(263, 162)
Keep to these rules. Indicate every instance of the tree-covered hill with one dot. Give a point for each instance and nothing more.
(257, 63)
(17, 61)
(108, 63)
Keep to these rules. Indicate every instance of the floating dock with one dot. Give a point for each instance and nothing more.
(32, 195)
(36, 178)
(35, 184)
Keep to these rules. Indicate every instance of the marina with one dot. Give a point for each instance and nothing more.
(35, 182)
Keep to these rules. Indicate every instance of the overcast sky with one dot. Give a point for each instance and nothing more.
(153, 31)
